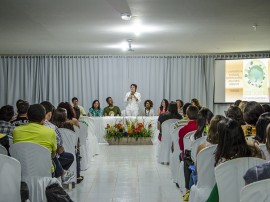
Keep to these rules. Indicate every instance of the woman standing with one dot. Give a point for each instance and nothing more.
(132, 100)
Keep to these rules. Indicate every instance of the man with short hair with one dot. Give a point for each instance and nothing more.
(76, 107)
(35, 131)
(111, 110)
(6, 114)
(62, 160)
(22, 109)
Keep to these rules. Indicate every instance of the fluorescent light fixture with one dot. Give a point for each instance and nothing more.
(126, 16)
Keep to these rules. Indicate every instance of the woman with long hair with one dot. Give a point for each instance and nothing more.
(61, 120)
(163, 107)
(232, 143)
(196, 103)
(261, 126)
(203, 120)
(71, 115)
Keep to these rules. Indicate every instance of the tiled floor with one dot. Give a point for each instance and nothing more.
(126, 174)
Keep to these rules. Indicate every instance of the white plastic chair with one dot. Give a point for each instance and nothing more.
(3, 150)
(10, 179)
(174, 156)
(206, 175)
(265, 151)
(188, 139)
(36, 168)
(166, 142)
(194, 147)
(82, 132)
(229, 177)
(257, 191)
(70, 140)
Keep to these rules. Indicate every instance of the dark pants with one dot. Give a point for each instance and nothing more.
(62, 163)
(187, 172)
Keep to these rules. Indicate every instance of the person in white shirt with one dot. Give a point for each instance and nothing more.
(148, 110)
(132, 101)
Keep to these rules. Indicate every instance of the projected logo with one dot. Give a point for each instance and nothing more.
(255, 73)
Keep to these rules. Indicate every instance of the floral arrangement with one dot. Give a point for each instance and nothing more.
(132, 129)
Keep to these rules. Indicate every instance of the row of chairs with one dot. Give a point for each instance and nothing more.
(228, 176)
(35, 163)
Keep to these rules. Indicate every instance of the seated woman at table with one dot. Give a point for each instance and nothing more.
(95, 110)
(148, 108)
(163, 107)
(111, 110)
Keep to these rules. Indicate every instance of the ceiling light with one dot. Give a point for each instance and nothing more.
(126, 16)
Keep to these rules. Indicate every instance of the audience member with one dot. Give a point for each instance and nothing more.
(180, 105)
(163, 107)
(266, 107)
(95, 110)
(261, 126)
(111, 110)
(6, 114)
(171, 114)
(257, 173)
(76, 106)
(60, 119)
(148, 108)
(212, 137)
(236, 114)
(252, 112)
(237, 102)
(22, 109)
(62, 160)
(185, 110)
(71, 115)
(192, 112)
(196, 103)
(203, 120)
(243, 105)
(35, 131)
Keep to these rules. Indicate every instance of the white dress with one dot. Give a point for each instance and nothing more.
(132, 105)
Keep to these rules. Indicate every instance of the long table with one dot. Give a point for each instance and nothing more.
(98, 124)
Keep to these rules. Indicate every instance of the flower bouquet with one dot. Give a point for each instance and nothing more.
(132, 132)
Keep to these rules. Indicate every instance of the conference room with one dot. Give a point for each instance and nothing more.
(142, 73)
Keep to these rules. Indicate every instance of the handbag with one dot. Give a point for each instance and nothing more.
(55, 193)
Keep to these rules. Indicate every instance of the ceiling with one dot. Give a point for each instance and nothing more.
(94, 27)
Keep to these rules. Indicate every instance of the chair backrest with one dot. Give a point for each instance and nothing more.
(229, 177)
(10, 175)
(257, 191)
(188, 138)
(206, 167)
(3, 150)
(178, 124)
(35, 159)
(194, 146)
(265, 151)
(165, 126)
(70, 140)
(175, 138)
(82, 132)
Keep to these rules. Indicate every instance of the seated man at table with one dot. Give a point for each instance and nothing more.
(78, 109)
(111, 110)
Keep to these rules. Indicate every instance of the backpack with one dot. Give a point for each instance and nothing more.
(55, 193)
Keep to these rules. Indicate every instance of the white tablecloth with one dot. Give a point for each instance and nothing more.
(98, 124)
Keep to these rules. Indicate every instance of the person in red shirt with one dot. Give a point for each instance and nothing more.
(192, 112)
